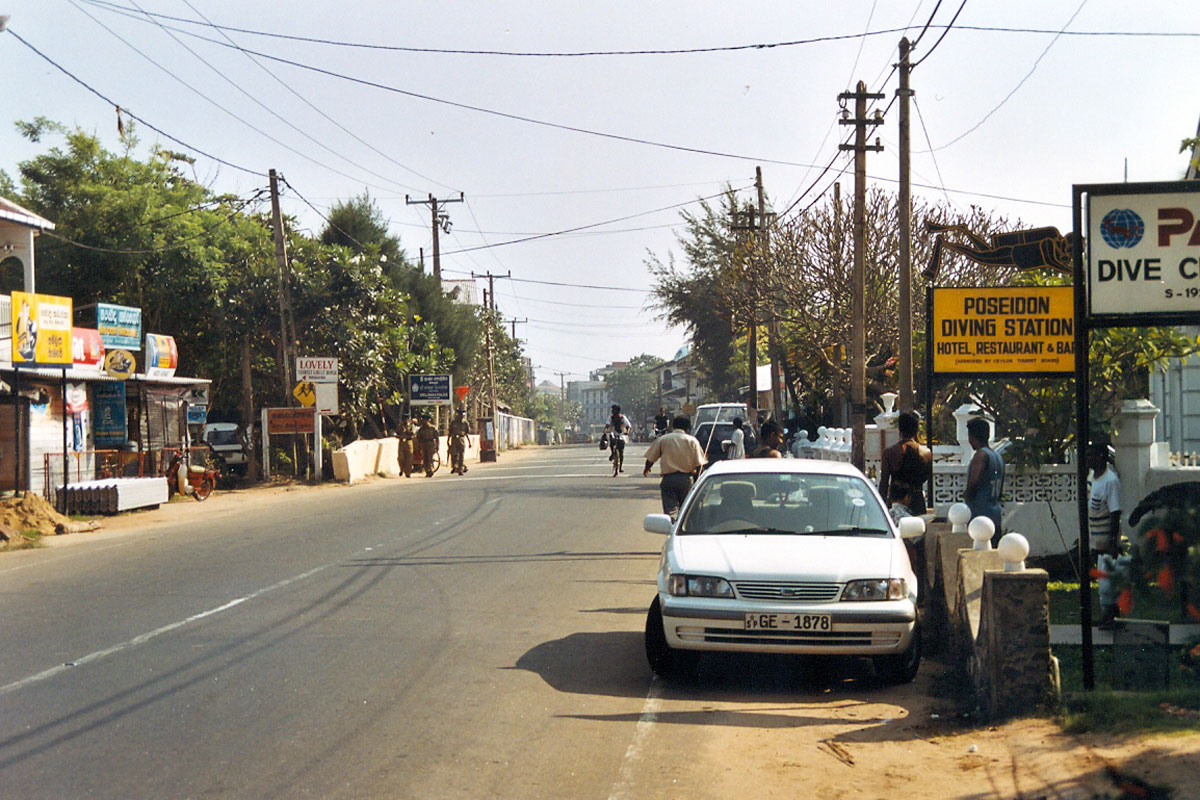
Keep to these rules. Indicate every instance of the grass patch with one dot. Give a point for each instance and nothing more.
(28, 539)
(1070, 668)
(1129, 712)
(1064, 605)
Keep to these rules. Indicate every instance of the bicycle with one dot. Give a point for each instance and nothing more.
(618, 454)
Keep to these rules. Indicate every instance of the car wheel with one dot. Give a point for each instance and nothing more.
(902, 667)
(667, 662)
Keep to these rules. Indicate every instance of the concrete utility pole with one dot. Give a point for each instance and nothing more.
(514, 322)
(858, 358)
(438, 219)
(905, 351)
(756, 222)
(281, 270)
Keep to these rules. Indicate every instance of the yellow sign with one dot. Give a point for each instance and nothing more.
(306, 393)
(41, 329)
(1003, 330)
(119, 364)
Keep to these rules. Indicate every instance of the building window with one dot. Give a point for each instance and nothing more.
(666, 380)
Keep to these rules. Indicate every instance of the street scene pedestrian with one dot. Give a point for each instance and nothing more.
(737, 440)
(906, 466)
(772, 440)
(405, 451)
(459, 440)
(681, 458)
(985, 476)
(618, 430)
(427, 443)
(1104, 529)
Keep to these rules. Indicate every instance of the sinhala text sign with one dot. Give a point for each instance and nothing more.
(1143, 250)
(430, 390)
(1009, 330)
(41, 330)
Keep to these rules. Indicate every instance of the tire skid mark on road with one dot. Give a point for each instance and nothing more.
(623, 789)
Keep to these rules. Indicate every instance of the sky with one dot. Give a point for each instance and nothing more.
(578, 133)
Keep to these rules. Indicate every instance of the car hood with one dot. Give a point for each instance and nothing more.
(790, 558)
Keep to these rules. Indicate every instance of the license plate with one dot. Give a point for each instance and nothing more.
(788, 622)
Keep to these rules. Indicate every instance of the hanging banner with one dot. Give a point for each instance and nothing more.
(162, 357)
(87, 348)
(119, 326)
(41, 330)
(1009, 330)
(108, 419)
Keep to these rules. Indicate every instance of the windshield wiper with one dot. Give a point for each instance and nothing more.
(852, 531)
(745, 531)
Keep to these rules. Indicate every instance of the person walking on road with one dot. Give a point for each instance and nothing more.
(985, 476)
(737, 440)
(681, 458)
(906, 466)
(427, 442)
(405, 435)
(460, 439)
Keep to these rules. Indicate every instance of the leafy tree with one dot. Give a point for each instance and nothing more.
(358, 223)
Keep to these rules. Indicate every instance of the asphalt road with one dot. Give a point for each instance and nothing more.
(460, 637)
(454, 637)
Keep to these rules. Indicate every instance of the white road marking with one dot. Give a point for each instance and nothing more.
(623, 788)
(145, 637)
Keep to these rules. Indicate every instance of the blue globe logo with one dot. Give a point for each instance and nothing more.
(1122, 228)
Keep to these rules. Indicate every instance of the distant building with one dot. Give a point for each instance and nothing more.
(679, 384)
(592, 397)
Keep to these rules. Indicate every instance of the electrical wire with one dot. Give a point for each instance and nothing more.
(943, 36)
(130, 114)
(1020, 83)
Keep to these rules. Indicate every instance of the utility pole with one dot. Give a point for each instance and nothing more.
(858, 357)
(437, 219)
(772, 323)
(514, 323)
(755, 221)
(281, 271)
(905, 353)
(489, 295)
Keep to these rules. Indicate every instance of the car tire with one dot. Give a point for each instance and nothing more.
(667, 662)
(902, 667)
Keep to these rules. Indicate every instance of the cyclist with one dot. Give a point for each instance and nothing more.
(621, 427)
(661, 421)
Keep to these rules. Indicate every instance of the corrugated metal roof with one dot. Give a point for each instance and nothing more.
(23, 216)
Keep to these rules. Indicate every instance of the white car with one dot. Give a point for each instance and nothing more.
(784, 556)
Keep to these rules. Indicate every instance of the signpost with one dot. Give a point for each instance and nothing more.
(430, 390)
(1012, 330)
(322, 373)
(1141, 268)
(291, 422)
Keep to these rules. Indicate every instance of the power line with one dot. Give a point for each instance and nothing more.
(943, 36)
(1020, 83)
(130, 114)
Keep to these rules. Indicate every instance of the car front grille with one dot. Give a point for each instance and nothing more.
(826, 638)
(788, 591)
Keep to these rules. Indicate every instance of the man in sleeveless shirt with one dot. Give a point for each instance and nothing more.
(906, 467)
(985, 476)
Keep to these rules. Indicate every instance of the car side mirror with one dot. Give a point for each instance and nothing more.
(657, 523)
(912, 527)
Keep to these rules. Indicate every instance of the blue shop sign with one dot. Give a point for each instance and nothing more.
(119, 326)
(429, 390)
(108, 420)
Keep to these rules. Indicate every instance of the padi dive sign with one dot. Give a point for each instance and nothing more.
(1143, 250)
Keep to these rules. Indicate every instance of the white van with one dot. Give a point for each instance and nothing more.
(225, 438)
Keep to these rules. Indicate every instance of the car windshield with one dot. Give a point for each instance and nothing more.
(219, 438)
(785, 503)
(711, 435)
(719, 414)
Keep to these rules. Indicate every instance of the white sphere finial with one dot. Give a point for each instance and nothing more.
(981, 529)
(959, 515)
(1013, 548)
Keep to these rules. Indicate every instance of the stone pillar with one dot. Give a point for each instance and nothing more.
(1133, 439)
(1013, 647)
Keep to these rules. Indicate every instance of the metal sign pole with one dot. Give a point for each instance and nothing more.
(1082, 425)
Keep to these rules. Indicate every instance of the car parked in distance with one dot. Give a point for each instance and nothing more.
(784, 556)
(226, 440)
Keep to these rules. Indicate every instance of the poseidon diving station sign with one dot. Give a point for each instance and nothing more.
(1009, 330)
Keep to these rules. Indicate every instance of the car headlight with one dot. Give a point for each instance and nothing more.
(699, 586)
(881, 589)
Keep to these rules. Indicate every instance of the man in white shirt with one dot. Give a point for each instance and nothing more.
(1104, 527)
(681, 459)
(737, 441)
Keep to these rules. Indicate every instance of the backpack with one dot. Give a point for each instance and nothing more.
(604, 441)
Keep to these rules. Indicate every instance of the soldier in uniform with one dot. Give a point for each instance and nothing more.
(427, 441)
(460, 438)
(405, 434)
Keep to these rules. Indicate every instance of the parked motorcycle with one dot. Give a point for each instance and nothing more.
(198, 481)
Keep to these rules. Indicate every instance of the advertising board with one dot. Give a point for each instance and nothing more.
(162, 356)
(1009, 330)
(41, 330)
(430, 390)
(1143, 250)
(108, 419)
(322, 373)
(119, 326)
(282, 421)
